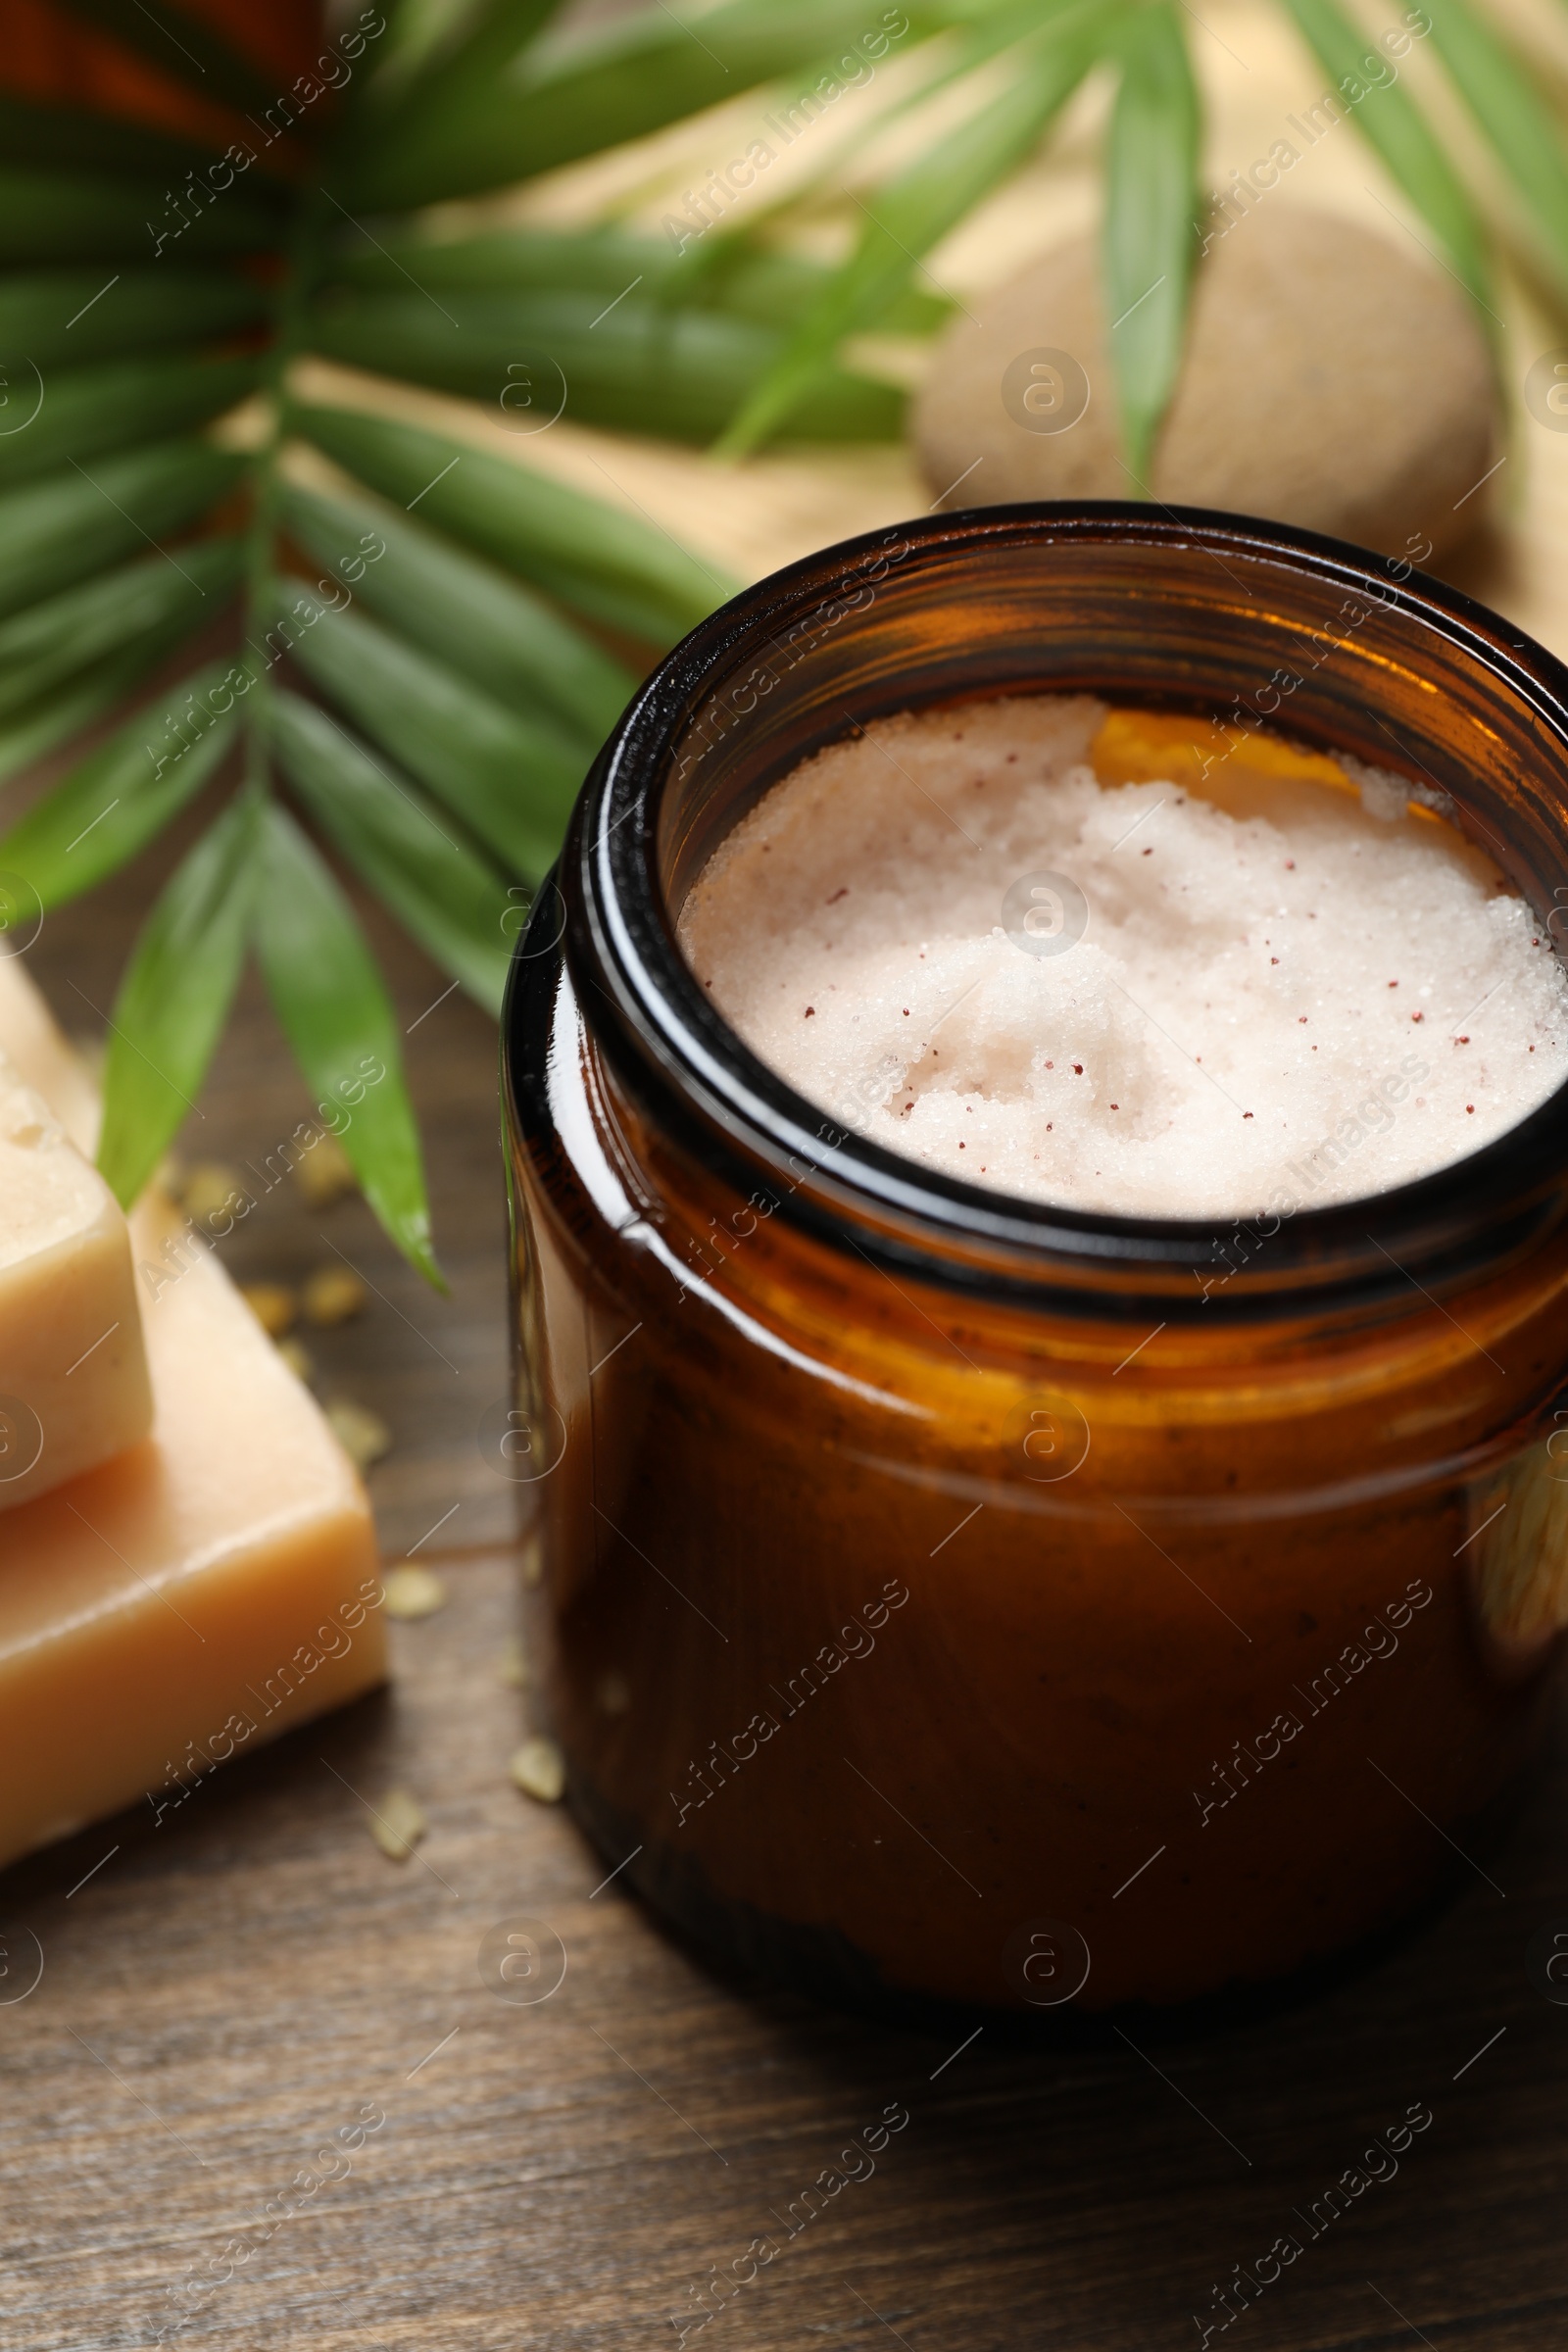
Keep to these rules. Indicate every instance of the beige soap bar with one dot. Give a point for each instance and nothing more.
(201, 1594)
(73, 1386)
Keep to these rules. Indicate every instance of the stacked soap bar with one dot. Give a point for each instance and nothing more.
(191, 1568)
(74, 1385)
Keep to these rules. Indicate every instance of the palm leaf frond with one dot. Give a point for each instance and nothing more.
(56, 531)
(472, 615)
(509, 781)
(121, 796)
(609, 566)
(455, 904)
(1394, 126)
(917, 208)
(1500, 94)
(556, 102)
(174, 999)
(87, 410)
(332, 1003)
(179, 42)
(1150, 201)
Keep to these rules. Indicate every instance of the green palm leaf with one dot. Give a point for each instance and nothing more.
(490, 627)
(455, 905)
(1394, 126)
(176, 43)
(120, 795)
(67, 137)
(89, 409)
(174, 999)
(557, 102)
(48, 644)
(65, 317)
(53, 719)
(58, 216)
(729, 273)
(609, 566)
(509, 781)
(917, 209)
(635, 367)
(57, 530)
(335, 1012)
(1498, 93)
(459, 67)
(1150, 201)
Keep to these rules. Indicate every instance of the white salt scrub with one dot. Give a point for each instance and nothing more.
(1205, 1011)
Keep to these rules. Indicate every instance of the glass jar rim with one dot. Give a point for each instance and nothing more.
(683, 1063)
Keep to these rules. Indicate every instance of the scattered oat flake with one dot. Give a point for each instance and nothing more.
(540, 1770)
(413, 1592)
(334, 1295)
(273, 1304)
(325, 1173)
(513, 1670)
(613, 1692)
(533, 1561)
(397, 1823)
(298, 1359)
(362, 1435)
(210, 1188)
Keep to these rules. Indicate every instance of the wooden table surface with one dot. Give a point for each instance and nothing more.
(231, 1988)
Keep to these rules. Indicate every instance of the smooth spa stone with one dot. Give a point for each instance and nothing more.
(1125, 963)
(215, 1585)
(1330, 380)
(74, 1386)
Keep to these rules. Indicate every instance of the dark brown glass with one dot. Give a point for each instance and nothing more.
(928, 1577)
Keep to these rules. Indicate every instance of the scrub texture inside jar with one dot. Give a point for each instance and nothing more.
(1130, 963)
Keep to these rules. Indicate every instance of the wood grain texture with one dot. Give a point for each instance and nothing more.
(230, 1988)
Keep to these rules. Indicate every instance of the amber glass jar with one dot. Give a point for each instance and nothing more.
(943, 1595)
